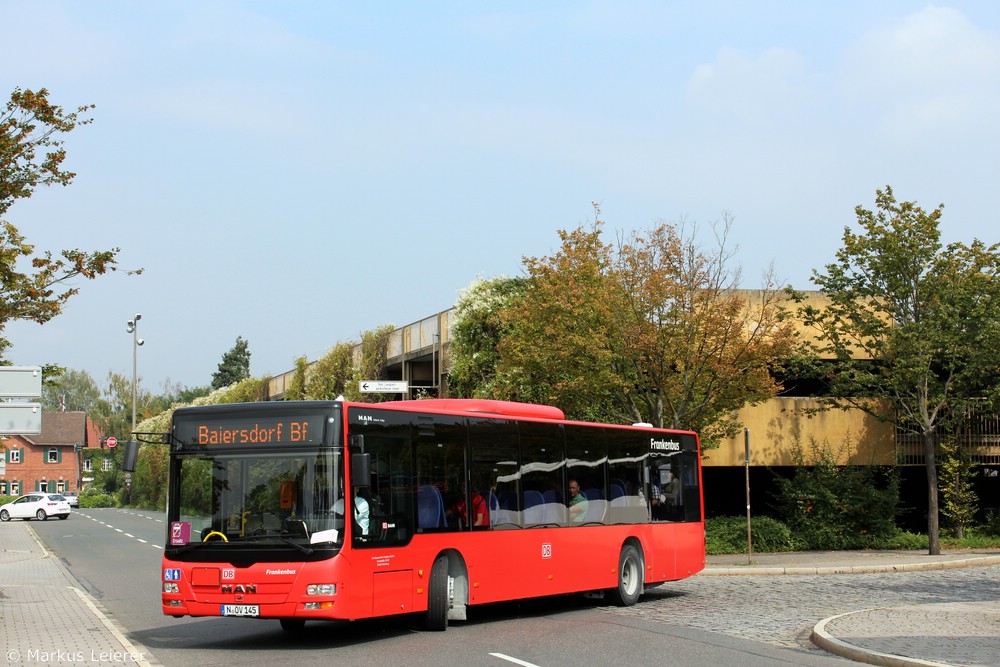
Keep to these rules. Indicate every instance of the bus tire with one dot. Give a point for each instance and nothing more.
(630, 571)
(437, 596)
(292, 624)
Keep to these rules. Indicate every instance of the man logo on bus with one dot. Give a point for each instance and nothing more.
(239, 588)
(370, 419)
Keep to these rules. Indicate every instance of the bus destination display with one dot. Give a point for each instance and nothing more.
(251, 431)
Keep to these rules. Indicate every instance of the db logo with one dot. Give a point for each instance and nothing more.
(546, 551)
(229, 574)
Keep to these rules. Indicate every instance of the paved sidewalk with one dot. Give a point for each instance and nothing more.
(959, 633)
(46, 619)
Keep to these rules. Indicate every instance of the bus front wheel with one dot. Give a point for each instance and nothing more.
(629, 586)
(293, 624)
(437, 596)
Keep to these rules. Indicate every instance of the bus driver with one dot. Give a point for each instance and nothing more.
(361, 511)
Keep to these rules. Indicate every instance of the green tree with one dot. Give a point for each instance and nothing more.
(234, 367)
(31, 155)
(330, 375)
(959, 499)
(558, 347)
(175, 393)
(374, 347)
(113, 413)
(72, 391)
(112, 416)
(338, 371)
(476, 333)
(296, 389)
(149, 481)
(909, 327)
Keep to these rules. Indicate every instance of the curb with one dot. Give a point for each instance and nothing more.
(852, 569)
(821, 638)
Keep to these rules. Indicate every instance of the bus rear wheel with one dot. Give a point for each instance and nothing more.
(629, 586)
(437, 596)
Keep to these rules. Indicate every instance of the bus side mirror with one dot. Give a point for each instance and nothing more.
(131, 455)
(361, 469)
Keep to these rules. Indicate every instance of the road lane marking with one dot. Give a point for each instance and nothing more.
(119, 530)
(513, 660)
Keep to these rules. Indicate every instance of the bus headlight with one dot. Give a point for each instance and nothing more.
(321, 589)
(171, 587)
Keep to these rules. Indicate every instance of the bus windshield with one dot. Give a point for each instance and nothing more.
(260, 498)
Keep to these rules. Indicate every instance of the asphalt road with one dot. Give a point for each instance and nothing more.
(115, 555)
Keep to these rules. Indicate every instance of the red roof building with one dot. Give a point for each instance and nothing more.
(51, 460)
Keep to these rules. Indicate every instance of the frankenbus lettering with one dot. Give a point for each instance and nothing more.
(664, 445)
(223, 435)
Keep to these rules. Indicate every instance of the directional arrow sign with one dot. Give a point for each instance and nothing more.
(383, 386)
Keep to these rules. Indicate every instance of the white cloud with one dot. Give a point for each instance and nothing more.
(737, 82)
(933, 71)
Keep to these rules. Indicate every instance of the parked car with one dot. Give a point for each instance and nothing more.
(35, 506)
(72, 499)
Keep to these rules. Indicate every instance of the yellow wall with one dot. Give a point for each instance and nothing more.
(781, 427)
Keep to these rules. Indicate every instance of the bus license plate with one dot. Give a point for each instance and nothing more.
(240, 610)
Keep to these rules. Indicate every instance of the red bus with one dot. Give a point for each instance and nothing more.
(452, 503)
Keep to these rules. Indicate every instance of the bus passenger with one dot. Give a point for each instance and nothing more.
(577, 503)
(480, 511)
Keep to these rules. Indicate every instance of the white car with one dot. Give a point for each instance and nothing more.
(35, 506)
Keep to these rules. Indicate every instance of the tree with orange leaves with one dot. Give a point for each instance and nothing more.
(653, 329)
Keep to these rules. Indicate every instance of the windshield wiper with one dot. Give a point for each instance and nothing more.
(188, 547)
(254, 538)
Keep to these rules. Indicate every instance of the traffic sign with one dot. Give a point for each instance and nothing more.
(20, 381)
(20, 418)
(383, 386)
(112, 441)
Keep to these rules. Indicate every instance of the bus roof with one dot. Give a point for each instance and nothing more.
(481, 406)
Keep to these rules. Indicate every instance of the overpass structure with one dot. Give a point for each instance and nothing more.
(416, 354)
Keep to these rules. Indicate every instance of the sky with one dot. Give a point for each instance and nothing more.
(296, 173)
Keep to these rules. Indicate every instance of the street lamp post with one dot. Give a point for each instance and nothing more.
(132, 327)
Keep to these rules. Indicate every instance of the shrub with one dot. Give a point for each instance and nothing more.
(97, 500)
(904, 540)
(992, 525)
(839, 507)
(728, 535)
